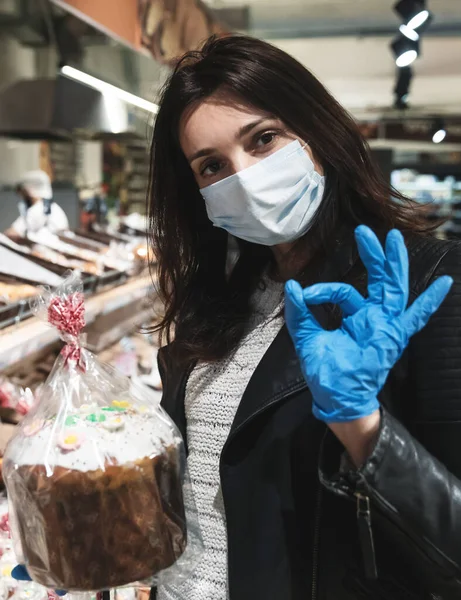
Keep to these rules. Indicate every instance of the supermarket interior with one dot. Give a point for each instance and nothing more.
(79, 82)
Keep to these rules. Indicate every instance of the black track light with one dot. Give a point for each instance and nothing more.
(439, 133)
(402, 88)
(406, 45)
(405, 50)
(411, 34)
(413, 13)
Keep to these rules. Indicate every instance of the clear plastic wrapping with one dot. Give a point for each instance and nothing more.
(96, 475)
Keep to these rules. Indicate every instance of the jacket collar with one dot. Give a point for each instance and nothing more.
(277, 376)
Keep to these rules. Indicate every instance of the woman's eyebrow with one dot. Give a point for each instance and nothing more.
(249, 126)
(241, 133)
(200, 154)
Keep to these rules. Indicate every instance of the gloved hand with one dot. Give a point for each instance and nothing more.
(21, 574)
(346, 368)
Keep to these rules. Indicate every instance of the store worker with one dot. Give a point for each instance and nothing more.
(317, 383)
(36, 207)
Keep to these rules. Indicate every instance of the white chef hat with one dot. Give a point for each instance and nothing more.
(37, 184)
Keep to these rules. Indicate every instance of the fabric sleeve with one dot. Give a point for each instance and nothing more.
(57, 220)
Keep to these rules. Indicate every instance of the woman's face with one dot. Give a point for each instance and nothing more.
(222, 136)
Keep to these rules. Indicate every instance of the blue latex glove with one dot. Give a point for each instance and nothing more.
(346, 368)
(21, 574)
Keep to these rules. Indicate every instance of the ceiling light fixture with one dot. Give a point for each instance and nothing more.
(406, 45)
(405, 50)
(402, 88)
(439, 133)
(411, 34)
(413, 13)
(108, 88)
(419, 19)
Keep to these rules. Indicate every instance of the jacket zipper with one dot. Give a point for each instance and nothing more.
(366, 535)
(316, 544)
(387, 509)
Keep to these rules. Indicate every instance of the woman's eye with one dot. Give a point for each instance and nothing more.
(211, 169)
(265, 139)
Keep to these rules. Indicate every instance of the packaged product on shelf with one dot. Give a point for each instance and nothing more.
(135, 356)
(126, 362)
(11, 292)
(9, 393)
(6, 433)
(66, 247)
(15, 401)
(136, 221)
(70, 263)
(5, 537)
(96, 477)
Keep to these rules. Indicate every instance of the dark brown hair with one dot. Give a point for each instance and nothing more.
(207, 310)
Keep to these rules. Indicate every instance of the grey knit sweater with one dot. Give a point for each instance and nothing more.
(212, 397)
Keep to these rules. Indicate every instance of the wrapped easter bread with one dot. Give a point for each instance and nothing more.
(95, 473)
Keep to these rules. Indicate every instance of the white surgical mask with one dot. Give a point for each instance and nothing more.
(271, 202)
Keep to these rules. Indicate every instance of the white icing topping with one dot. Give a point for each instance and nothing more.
(140, 436)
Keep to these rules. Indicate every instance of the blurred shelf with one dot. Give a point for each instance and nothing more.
(418, 187)
(440, 191)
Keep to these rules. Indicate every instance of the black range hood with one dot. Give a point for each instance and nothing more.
(56, 109)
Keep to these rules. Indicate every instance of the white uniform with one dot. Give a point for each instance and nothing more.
(35, 220)
(37, 184)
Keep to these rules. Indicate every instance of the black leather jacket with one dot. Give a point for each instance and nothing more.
(300, 526)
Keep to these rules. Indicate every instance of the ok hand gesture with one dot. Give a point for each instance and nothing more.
(346, 368)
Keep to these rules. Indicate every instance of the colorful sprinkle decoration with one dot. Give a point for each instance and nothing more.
(70, 439)
(114, 423)
(97, 417)
(34, 427)
(72, 420)
(121, 404)
(6, 571)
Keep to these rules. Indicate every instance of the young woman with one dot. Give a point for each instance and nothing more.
(323, 445)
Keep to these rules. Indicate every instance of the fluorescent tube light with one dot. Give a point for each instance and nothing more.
(108, 88)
